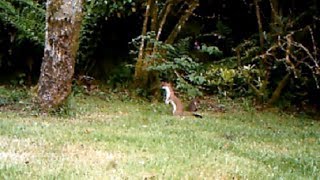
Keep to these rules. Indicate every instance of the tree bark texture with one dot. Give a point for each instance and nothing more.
(256, 3)
(63, 22)
(141, 73)
(184, 18)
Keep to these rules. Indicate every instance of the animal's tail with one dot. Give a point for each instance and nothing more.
(197, 115)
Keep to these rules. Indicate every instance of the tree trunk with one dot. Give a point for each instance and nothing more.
(277, 92)
(276, 23)
(154, 15)
(63, 21)
(275, 11)
(256, 3)
(141, 73)
(149, 80)
(184, 18)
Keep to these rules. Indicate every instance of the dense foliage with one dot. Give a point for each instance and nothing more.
(27, 19)
(269, 51)
(98, 12)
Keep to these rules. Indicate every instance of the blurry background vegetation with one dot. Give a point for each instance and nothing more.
(266, 51)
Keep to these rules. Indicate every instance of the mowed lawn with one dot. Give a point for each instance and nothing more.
(119, 138)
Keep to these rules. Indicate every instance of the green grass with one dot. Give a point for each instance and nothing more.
(121, 139)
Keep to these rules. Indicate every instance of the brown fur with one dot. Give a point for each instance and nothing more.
(194, 105)
(178, 108)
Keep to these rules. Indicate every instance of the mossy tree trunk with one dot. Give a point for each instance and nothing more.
(141, 73)
(63, 22)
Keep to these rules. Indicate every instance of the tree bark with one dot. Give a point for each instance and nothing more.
(277, 92)
(274, 4)
(166, 11)
(63, 22)
(256, 3)
(149, 80)
(174, 33)
(140, 75)
(154, 16)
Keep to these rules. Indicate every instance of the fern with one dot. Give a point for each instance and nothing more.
(27, 17)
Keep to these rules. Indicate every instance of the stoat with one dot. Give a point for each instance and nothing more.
(178, 108)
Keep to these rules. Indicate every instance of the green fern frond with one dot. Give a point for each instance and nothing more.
(27, 17)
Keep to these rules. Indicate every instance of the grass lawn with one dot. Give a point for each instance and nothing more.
(117, 138)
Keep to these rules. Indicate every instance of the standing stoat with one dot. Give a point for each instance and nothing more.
(178, 109)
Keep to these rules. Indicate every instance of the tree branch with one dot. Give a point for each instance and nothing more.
(184, 18)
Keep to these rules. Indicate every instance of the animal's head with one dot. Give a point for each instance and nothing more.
(168, 90)
(166, 84)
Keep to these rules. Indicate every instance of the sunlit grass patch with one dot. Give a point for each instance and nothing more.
(120, 138)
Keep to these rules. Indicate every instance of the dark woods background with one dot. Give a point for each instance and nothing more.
(232, 52)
